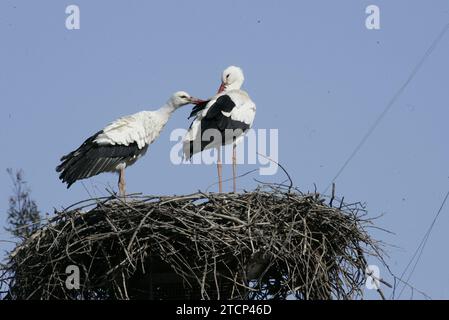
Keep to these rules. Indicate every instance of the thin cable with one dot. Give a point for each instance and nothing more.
(420, 249)
(390, 104)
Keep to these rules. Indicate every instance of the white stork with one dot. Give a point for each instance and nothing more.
(230, 114)
(120, 144)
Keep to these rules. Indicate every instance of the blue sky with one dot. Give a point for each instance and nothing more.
(313, 69)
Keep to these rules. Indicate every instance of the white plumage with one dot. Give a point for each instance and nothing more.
(245, 108)
(231, 109)
(120, 144)
(141, 128)
(243, 111)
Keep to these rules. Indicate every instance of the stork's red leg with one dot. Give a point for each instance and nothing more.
(234, 166)
(219, 167)
(121, 182)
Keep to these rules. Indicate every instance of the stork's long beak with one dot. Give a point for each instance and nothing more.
(194, 100)
(222, 88)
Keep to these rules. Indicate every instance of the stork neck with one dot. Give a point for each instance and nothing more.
(168, 108)
(236, 85)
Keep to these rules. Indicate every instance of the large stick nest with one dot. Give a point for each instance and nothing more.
(269, 243)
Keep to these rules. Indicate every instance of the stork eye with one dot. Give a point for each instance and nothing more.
(183, 97)
(227, 76)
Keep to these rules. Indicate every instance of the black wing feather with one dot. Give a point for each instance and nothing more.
(197, 108)
(215, 119)
(91, 159)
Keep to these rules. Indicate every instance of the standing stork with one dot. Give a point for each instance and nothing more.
(120, 144)
(230, 114)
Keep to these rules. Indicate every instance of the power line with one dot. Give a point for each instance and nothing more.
(398, 280)
(420, 249)
(390, 104)
(406, 284)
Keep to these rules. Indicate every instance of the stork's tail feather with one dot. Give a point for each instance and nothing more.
(77, 164)
(74, 168)
(92, 158)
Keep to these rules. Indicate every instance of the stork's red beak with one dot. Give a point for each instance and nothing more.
(222, 88)
(194, 100)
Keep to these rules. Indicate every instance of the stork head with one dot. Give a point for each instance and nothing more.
(181, 98)
(232, 79)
